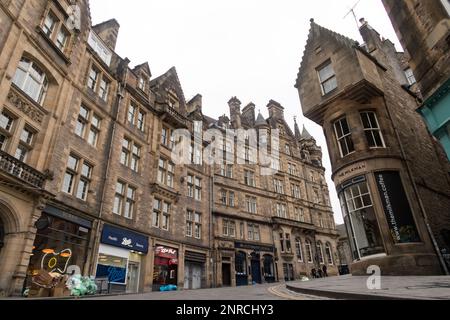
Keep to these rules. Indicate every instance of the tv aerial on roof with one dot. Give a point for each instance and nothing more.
(352, 11)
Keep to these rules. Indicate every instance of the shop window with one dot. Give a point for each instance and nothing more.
(344, 137)
(372, 130)
(360, 218)
(31, 80)
(112, 267)
(269, 268)
(58, 245)
(241, 264)
(165, 267)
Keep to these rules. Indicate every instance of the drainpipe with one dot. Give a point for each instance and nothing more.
(211, 240)
(119, 98)
(416, 191)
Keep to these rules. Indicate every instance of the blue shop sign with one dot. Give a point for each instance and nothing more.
(124, 239)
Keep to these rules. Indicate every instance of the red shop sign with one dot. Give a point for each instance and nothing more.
(164, 252)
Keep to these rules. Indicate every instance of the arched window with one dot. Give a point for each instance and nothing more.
(309, 254)
(31, 80)
(329, 254)
(298, 249)
(320, 252)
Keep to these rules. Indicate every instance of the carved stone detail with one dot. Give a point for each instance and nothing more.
(26, 107)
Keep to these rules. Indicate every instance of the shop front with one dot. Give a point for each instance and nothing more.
(120, 258)
(194, 270)
(60, 246)
(165, 270)
(254, 264)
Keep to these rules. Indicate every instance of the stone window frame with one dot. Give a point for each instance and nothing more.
(228, 226)
(253, 232)
(322, 82)
(125, 199)
(88, 124)
(249, 178)
(251, 202)
(193, 224)
(102, 76)
(26, 65)
(131, 154)
(329, 254)
(309, 251)
(320, 255)
(58, 27)
(166, 172)
(278, 186)
(194, 187)
(281, 210)
(299, 249)
(161, 214)
(372, 129)
(77, 176)
(346, 137)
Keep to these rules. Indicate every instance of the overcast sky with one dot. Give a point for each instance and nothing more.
(251, 49)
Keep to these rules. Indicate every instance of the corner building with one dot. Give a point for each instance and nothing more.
(389, 172)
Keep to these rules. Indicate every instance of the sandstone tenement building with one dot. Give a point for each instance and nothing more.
(391, 175)
(88, 182)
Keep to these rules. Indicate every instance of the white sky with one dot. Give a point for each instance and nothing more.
(251, 49)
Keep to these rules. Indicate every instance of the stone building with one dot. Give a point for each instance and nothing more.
(270, 227)
(423, 28)
(89, 182)
(390, 174)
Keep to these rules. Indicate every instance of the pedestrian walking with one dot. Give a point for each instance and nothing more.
(325, 271)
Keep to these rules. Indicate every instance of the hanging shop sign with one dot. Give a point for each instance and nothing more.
(124, 239)
(396, 207)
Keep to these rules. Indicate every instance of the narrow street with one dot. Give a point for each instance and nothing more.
(258, 292)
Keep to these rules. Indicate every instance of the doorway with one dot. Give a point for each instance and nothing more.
(256, 269)
(133, 277)
(193, 276)
(226, 275)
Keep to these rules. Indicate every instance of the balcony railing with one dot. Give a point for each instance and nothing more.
(172, 115)
(20, 170)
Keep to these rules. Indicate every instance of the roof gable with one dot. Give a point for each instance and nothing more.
(318, 38)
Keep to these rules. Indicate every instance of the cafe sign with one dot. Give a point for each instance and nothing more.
(168, 253)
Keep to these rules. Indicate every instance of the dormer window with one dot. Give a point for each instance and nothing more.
(327, 78)
(142, 83)
(31, 80)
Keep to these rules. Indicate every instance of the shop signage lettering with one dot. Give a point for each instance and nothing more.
(124, 239)
(396, 207)
(164, 252)
(241, 245)
(357, 169)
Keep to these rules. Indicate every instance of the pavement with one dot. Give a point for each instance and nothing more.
(264, 292)
(392, 288)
